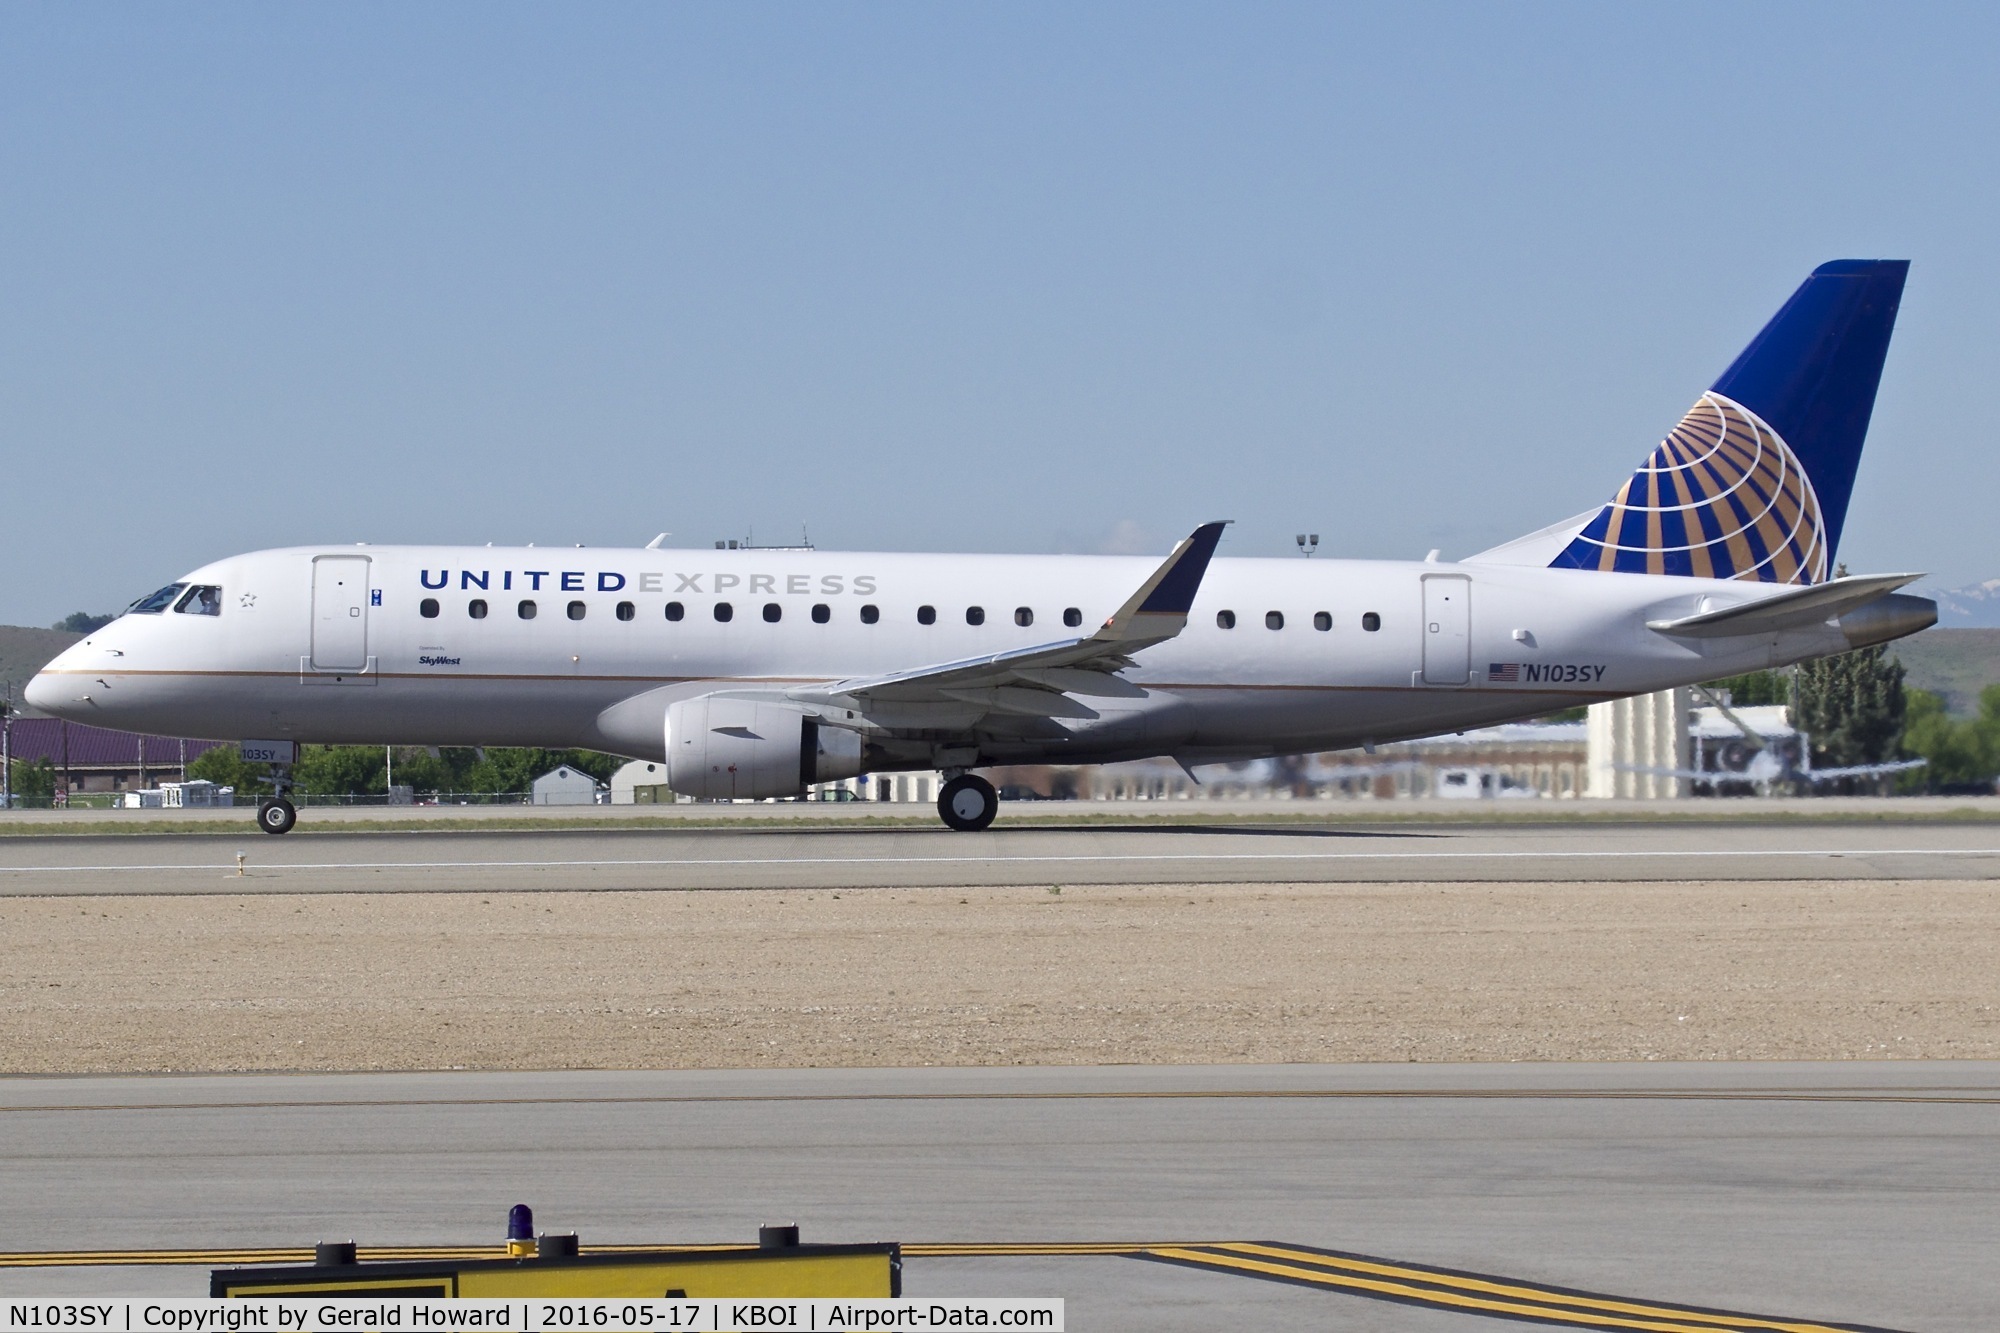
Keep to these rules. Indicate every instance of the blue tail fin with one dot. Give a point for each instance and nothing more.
(1754, 482)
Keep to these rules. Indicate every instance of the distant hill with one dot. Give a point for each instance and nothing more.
(25, 651)
(1975, 606)
(1956, 663)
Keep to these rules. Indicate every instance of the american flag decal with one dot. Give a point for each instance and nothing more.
(1510, 672)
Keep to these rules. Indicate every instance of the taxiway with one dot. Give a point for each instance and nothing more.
(1854, 1193)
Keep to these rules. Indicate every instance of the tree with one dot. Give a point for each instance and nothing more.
(34, 784)
(82, 622)
(422, 771)
(512, 769)
(341, 770)
(1853, 707)
(1758, 687)
(1962, 755)
(224, 766)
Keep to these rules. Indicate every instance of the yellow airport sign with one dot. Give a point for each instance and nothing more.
(738, 1271)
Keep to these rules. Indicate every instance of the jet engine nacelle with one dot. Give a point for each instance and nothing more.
(719, 746)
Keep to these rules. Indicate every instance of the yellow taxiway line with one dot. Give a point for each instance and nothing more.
(1326, 1270)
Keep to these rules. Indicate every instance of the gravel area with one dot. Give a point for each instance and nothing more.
(1084, 975)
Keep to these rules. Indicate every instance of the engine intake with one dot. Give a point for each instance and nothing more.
(721, 746)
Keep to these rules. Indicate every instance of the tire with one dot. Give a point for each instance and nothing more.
(276, 816)
(968, 803)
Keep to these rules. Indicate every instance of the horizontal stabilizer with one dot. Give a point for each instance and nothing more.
(1788, 610)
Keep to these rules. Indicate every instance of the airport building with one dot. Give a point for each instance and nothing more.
(567, 786)
(100, 759)
(1608, 755)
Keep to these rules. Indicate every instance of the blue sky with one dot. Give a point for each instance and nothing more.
(1016, 277)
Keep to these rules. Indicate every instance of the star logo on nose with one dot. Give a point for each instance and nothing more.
(247, 600)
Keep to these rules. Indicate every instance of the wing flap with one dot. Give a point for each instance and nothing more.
(1020, 701)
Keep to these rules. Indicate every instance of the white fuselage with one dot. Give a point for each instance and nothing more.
(332, 644)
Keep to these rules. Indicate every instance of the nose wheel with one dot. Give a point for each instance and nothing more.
(968, 803)
(276, 815)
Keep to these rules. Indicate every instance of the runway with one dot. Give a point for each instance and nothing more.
(1014, 854)
(1853, 1194)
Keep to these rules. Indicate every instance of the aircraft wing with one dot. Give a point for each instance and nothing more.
(1038, 681)
(1797, 774)
(1692, 774)
(1861, 770)
(1787, 610)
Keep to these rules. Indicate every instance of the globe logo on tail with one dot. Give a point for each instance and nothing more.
(1723, 497)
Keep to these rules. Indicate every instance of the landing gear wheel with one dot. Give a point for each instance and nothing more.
(276, 816)
(968, 803)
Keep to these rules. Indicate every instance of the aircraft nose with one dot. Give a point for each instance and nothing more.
(56, 689)
(40, 692)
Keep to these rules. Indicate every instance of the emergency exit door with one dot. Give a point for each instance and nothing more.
(1447, 629)
(340, 613)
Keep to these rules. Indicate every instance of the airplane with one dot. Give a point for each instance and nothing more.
(1769, 770)
(758, 673)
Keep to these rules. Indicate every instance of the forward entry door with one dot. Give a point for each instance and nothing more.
(1447, 629)
(340, 613)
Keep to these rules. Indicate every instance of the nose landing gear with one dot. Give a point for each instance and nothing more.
(968, 803)
(275, 813)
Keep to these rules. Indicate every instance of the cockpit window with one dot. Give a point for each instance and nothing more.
(158, 602)
(202, 600)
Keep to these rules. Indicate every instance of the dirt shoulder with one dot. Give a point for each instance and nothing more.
(1157, 974)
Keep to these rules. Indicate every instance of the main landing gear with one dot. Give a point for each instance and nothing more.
(968, 803)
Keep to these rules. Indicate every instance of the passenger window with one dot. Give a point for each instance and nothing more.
(1023, 616)
(576, 610)
(723, 611)
(526, 610)
(1371, 622)
(773, 613)
(1322, 620)
(626, 610)
(870, 614)
(675, 610)
(1072, 617)
(428, 608)
(821, 613)
(927, 615)
(201, 601)
(1274, 620)
(476, 608)
(1225, 620)
(158, 602)
(975, 615)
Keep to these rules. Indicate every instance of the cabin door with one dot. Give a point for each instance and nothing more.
(340, 613)
(1447, 629)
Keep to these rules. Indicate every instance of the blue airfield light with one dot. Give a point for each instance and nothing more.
(520, 1230)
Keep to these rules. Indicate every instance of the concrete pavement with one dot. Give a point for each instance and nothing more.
(1853, 1193)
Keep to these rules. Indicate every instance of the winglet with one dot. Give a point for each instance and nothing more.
(1159, 609)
